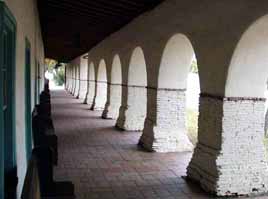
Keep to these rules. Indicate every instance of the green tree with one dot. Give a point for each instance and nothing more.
(59, 75)
(194, 67)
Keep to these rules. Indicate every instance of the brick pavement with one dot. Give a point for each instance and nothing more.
(105, 163)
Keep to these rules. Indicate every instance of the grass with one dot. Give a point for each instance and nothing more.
(192, 125)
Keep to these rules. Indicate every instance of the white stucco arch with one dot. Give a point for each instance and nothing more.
(83, 77)
(91, 72)
(168, 132)
(248, 70)
(116, 74)
(101, 91)
(240, 119)
(77, 80)
(114, 99)
(137, 74)
(102, 73)
(133, 114)
(91, 84)
(175, 63)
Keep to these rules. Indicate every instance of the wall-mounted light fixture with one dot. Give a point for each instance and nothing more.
(85, 56)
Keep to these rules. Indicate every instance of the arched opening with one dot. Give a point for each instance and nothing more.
(234, 147)
(137, 91)
(83, 77)
(55, 72)
(73, 79)
(114, 102)
(137, 74)
(177, 96)
(245, 87)
(91, 84)
(135, 113)
(77, 80)
(101, 92)
(192, 102)
(247, 79)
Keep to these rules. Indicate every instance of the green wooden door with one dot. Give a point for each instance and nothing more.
(8, 171)
(28, 103)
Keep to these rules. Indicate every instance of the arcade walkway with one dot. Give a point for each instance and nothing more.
(105, 163)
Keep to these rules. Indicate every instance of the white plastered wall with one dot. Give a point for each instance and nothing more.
(101, 87)
(26, 15)
(114, 97)
(83, 77)
(91, 84)
(250, 59)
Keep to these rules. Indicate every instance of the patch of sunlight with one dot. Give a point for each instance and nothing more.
(192, 124)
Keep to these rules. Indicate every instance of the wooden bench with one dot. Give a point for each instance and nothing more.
(48, 187)
(43, 136)
(39, 183)
(31, 187)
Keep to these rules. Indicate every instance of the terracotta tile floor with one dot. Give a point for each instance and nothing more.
(105, 163)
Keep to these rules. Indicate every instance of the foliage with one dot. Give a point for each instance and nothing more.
(58, 73)
(265, 142)
(50, 63)
(192, 125)
(59, 76)
(194, 67)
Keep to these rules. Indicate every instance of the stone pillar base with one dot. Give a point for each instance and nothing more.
(85, 100)
(91, 93)
(83, 90)
(164, 139)
(101, 97)
(230, 159)
(121, 118)
(96, 107)
(106, 112)
(132, 116)
(129, 123)
(76, 90)
(112, 106)
(111, 111)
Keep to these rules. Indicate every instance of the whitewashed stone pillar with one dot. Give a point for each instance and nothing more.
(83, 89)
(266, 111)
(70, 80)
(77, 82)
(266, 123)
(229, 158)
(77, 85)
(165, 131)
(83, 74)
(101, 96)
(74, 81)
(67, 84)
(132, 116)
(91, 93)
(113, 103)
(86, 95)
